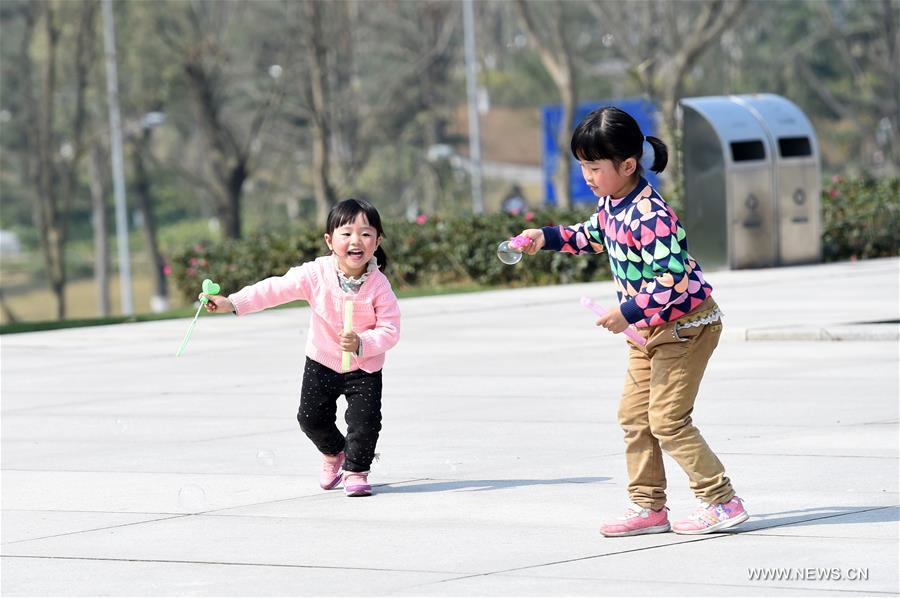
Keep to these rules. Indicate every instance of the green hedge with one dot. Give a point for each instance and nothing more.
(436, 253)
(860, 218)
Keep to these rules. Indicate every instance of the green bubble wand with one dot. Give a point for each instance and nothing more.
(210, 288)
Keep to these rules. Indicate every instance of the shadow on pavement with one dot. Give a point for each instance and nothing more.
(821, 516)
(480, 485)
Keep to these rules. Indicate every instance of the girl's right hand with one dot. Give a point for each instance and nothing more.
(217, 303)
(537, 240)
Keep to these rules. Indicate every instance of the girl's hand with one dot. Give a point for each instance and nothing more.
(613, 320)
(349, 341)
(217, 303)
(537, 240)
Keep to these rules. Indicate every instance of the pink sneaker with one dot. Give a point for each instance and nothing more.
(636, 521)
(331, 470)
(712, 518)
(356, 483)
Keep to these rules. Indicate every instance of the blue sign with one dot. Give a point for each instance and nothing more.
(641, 109)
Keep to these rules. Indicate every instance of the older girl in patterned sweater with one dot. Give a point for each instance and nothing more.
(662, 293)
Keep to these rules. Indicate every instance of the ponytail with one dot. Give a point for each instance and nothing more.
(659, 152)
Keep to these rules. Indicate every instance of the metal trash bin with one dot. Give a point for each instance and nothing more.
(798, 176)
(729, 206)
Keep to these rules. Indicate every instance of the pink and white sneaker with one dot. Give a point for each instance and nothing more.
(636, 521)
(356, 483)
(330, 475)
(712, 518)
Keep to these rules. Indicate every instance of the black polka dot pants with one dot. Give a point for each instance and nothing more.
(318, 411)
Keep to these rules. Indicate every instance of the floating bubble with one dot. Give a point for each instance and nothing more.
(192, 499)
(380, 466)
(265, 457)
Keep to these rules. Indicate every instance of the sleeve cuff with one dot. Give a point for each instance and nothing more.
(236, 303)
(631, 311)
(552, 239)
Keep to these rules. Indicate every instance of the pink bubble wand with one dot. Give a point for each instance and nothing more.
(520, 242)
(630, 332)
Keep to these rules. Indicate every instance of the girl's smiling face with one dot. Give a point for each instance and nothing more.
(353, 245)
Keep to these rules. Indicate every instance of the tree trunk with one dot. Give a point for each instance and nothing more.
(667, 121)
(101, 245)
(562, 178)
(160, 298)
(716, 17)
(55, 180)
(11, 317)
(230, 152)
(225, 157)
(323, 188)
(556, 57)
(231, 218)
(893, 58)
(46, 209)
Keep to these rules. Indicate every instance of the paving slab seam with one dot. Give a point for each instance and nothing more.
(96, 529)
(669, 583)
(816, 537)
(577, 559)
(223, 563)
(717, 536)
(223, 474)
(801, 455)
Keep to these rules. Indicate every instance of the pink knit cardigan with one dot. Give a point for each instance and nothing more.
(376, 314)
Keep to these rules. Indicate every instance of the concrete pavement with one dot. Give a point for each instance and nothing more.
(128, 472)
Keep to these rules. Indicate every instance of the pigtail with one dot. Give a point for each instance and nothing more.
(660, 153)
(381, 256)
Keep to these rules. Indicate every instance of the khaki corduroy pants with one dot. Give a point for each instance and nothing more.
(655, 412)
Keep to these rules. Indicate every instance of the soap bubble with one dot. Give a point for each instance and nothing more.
(192, 499)
(507, 254)
(265, 457)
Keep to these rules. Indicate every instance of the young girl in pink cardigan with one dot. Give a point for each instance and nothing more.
(353, 272)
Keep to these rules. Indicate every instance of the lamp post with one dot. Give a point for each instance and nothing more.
(118, 169)
(472, 95)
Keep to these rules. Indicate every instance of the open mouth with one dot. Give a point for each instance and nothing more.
(355, 254)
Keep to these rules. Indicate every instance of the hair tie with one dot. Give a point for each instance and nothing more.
(648, 155)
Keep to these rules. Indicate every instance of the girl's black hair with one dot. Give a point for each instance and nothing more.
(609, 133)
(346, 212)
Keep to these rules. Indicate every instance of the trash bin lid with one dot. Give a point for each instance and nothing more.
(731, 121)
(788, 125)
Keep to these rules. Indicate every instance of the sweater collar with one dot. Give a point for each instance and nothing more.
(351, 284)
(616, 205)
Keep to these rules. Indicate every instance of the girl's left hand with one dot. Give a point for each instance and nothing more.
(349, 341)
(613, 320)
